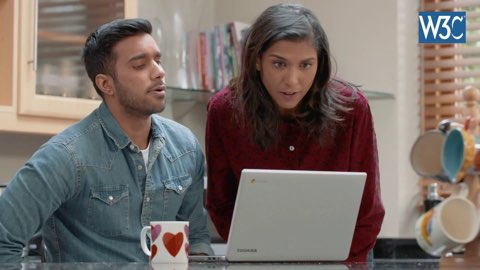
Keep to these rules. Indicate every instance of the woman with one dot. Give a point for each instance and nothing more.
(286, 111)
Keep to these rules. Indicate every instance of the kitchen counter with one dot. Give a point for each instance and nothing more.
(377, 264)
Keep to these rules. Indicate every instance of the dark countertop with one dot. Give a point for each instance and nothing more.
(377, 264)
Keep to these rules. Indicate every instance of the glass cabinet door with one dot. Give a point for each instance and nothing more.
(62, 28)
(52, 78)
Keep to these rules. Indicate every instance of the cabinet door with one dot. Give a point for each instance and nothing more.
(7, 52)
(52, 81)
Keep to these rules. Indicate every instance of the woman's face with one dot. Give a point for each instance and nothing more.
(287, 70)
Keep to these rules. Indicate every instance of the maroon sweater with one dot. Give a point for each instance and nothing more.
(229, 150)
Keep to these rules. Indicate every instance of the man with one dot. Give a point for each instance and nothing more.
(91, 188)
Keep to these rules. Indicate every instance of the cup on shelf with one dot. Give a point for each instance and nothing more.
(459, 154)
(168, 242)
(451, 223)
(426, 155)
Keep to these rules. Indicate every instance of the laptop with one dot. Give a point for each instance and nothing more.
(293, 215)
(260, 266)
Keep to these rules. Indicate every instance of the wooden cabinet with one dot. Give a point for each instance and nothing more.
(23, 106)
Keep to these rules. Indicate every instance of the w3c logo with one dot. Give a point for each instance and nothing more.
(442, 27)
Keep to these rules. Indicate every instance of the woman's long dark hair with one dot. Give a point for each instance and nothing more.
(320, 109)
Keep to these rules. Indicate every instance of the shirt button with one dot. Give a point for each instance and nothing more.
(139, 167)
(291, 148)
(148, 199)
(180, 187)
(132, 147)
(110, 198)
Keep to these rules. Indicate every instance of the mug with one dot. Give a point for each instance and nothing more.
(458, 154)
(426, 155)
(168, 241)
(451, 223)
(171, 266)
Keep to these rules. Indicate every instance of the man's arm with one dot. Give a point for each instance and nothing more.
(34, 193)
(193, 210)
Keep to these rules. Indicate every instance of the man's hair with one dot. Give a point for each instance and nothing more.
(97, 54)
(318, 112)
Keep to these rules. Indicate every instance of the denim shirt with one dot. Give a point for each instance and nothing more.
(88, 192)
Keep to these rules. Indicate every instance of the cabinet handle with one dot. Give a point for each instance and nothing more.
(35, 34)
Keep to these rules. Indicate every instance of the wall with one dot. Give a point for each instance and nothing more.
(374, 43)
(15, 150)
(407, 117)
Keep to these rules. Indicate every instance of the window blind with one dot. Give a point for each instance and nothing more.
(446, 69)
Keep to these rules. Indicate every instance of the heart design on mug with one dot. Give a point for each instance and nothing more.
(156, 229)
(154, 251)
(187, 231)
(173, 242)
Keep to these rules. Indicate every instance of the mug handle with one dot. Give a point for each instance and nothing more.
(143, 242)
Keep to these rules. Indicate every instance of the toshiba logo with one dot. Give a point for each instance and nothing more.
(246, 250)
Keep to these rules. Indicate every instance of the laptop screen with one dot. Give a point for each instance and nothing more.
(292, 215)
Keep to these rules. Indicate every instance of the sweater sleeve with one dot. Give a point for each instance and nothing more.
(364, 158)
(221, 185)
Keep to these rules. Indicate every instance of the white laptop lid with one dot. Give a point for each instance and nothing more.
(291, 215)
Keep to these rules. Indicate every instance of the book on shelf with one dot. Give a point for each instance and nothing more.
(214, 55)
(191, 59)
(219, 73)
(238, 30)
(203, 63)
(227, 54)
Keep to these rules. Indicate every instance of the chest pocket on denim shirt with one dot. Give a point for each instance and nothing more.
(178, 184)
(108, 210)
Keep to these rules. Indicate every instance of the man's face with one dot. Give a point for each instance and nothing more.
(139, 79)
